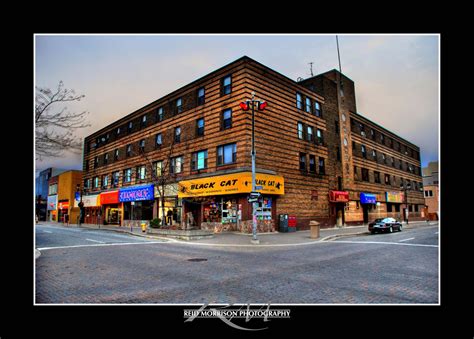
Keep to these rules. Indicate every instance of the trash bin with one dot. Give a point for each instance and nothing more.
(292, 223)
(283, 223)
(314, 225)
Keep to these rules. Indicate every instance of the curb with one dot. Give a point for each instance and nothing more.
(335, 236)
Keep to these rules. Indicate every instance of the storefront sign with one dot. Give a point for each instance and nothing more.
(338, 196)
(89, 201)
(63, 204)
(368, 198)
(107, 198)
(394, 197)
(231, 184)
(137, 193)
(52, 202)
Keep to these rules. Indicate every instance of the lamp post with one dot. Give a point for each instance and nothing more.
(245, 107)
(405, 198)
(81, 205)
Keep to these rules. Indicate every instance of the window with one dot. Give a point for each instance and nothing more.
(127, 175)
(390, 142)
(365, 174)
(143, 121)
(356, 173)
(227, 85)
(115, 178)
(227, 118)
(130, 127)
(87, 184)
(429, 193)
(377, 177)
(117, 132)
(179, 105)
(400, 164)
(319, 134)
(387, 179)
(384, 159)
(226, 154)
(159, 114)
(310, 133)
(303, 161)
(338, 153)
(157, 168)
(96, 182)
(372, 134)
(317, 110)
(116, 154)
(142, 145)
(200, 96)
(158, 141)
(200, 127)
(199, 160)
(374, 154)
(96, 162)
(177, 134)
(364, 154)
(141, 172)
(308, 105)
(382, 138)
(393, 161)
(106, 158)
(300, 130)
(105, 181)
(53, 189)
(299, 101)
(129, 150)
(312, 163)
(322, 169)
(176, 165)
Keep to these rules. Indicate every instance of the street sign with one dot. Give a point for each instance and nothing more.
(252, 199)
(255, 194)
(258, 188)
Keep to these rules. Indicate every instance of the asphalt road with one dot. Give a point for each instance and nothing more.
(397, 268)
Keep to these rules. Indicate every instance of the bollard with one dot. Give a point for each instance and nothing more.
(143, 227)
(314, 229)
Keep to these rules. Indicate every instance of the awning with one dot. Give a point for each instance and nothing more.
(368, 198)
(107, 198)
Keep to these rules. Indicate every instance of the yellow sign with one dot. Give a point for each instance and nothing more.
(231, 184)
(395, 197)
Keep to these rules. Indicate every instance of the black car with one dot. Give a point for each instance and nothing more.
(385, 225)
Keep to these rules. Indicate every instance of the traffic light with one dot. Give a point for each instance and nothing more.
(245, 105)
(261, 105)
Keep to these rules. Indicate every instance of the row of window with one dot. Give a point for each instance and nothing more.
(383, 159)
(308, 105)
(312, 164)
(226, 123)
(388, 179)
(428, 193)
(226, 155)
(226, 88)
(358, 127)
(306, 132)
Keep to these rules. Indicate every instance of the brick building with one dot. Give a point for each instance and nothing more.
(431, 188)
(186, 157)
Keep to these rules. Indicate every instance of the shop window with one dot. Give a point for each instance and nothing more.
(303, 162)
(159, 114)
(389, 207)
(300, 130)
(158, 140)
(226, 154)
(264, 208)
(226, 85)
(322, 168)
(299, 101)
(176, 165)
(200, 96)
(310, 133)
(177, 134)
(199, 160)
(308, 105)
(397, 207)
(227, 119)
(179, 105)
(312, 163)
(127, 175)
(200, 127)
(317, 110)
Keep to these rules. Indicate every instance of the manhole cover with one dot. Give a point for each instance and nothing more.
(197, 259)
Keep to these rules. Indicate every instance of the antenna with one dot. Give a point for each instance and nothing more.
(311, 67)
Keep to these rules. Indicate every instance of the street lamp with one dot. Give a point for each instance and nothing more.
(81, 205)
(261, 105)
(405, 198)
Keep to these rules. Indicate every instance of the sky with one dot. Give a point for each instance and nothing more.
(396, 76)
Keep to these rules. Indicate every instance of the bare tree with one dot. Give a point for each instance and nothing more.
(55, 127)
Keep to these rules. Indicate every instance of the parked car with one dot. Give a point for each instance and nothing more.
(385, 225)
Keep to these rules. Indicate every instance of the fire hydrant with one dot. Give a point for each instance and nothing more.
(143, 227)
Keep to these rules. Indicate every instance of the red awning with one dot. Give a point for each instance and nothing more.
(338, 196)
(109, 198)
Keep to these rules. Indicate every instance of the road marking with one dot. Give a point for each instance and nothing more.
(101, 245)
(381, 242)
(406, 239)
(46, 231)
(100, 242)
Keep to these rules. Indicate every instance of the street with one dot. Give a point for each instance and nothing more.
(91, 266)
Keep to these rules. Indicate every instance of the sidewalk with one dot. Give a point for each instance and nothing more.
(241, 239)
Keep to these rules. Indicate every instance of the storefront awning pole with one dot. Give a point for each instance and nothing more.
(254, 204)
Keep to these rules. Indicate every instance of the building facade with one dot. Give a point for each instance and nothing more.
(431, 188)
(62, 190)
(41, 191)
(186, 158)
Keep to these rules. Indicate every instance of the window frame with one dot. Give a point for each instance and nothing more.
(222, 156)
(195, 160)
(226, 89)
(224, 127)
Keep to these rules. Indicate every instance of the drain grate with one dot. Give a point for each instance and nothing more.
(197, 259)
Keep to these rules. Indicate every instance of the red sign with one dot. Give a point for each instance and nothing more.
(338, 196)
(63, 205)
(109, 198)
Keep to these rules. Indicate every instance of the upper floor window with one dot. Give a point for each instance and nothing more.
(299, 101)
(158, 140)
(307, 105)
(322, 168)
(374, 154)
(362, 148)
(365, 174)
(157, 168)
(319, 135)
(384, 159)
(176, 165)
(96, 182)
(227, 85)
(179, 105)
(372, 134)
(227, 154)
(117, 132)
(377, 177)
(129, 150)
(141, 172)
(200, 127)
(300, 131)
(142, 145)
(127, 175)
(310, 133)
(356, 173)
(227, 118)
(382, 138)
(116, 154)
(200, 96)
(96, 162)
(317, 110)
(130, 126)
(177, 134)
(115, 178)
(393, 161)
(159, 114)
(312, 163)
(105, 181)
(199, 160)
(303, 162)
(387, 179)
(143, 121)
(87, 184)
(106, 158)
(53, 189)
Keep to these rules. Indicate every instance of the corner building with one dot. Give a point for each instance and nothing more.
(186, 158)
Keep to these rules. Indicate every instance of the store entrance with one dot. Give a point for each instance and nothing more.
(193, 214)
(365, 212)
